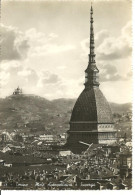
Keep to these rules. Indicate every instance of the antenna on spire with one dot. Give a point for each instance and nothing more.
(91, 4)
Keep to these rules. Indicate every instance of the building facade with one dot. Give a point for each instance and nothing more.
(91, 120)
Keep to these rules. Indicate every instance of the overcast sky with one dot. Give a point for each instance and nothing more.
(45, 46)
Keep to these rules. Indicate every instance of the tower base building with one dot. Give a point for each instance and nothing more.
(91, 120)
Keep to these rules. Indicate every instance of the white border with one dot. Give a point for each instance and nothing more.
(88, 192)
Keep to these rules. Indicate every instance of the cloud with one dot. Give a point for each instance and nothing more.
(100, 36)
(52, 67)
(110, 73)
(11, 66)
(14, 44)
(85, 45)
(15, 73)
(109, 47)
(45, 44)
(29, 76)
(8, 70)
(4, 77)
(112, 53)
(126, 32)
(129, 74)
(49, 78)
(61, 67)
(116, 48)
(27, 62)
(53, 79)
(46, 49)
(17, 45)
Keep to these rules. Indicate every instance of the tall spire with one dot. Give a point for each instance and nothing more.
(92, 54)
(91, 77)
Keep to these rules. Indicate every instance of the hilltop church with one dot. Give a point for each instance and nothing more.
(91, 120)
(17, 91)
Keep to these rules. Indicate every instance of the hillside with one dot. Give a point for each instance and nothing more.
(67, 104)
(121, 108)
(32, 113)
(28, 113)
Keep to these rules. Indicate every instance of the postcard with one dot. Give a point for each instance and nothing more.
(66, 95)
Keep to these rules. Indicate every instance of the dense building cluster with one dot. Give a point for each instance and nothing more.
(34, 166)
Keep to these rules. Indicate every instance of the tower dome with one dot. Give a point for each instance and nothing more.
(91, 120)
(92, 106)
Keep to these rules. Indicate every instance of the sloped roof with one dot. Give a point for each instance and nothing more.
(92, 106)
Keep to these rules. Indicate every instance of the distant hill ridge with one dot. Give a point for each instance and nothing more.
(35, 113)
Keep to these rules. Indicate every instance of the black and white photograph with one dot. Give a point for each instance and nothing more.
(66, 95)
